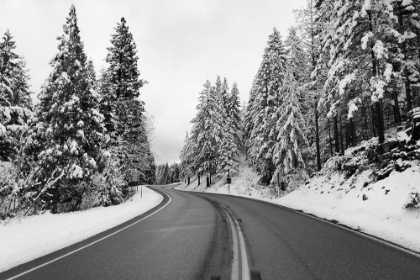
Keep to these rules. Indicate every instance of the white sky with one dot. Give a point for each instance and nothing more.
(180, 43)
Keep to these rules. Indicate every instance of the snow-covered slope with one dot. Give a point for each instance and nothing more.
(32, 237)
(358, 201)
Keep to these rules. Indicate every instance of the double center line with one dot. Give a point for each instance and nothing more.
(240, 267)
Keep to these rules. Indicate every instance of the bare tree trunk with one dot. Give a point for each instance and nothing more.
(397, 116)
(372, 110)
(336, 143)
(329, 136)
(406, 73)
(378, 111)
(353, 133)
(318, 153)
(341, 136)
(365, 116)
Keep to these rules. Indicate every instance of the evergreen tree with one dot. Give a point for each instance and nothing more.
(63, 145)
(122, 58)
(92, 75)
(202, 133)
(15, 100)
(121, 105)
(235, 114)
(297, 60)
(186, 156)
(265, 102)
(229, 147)
(291, 138)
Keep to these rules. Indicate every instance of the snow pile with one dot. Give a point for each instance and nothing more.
(32, 237)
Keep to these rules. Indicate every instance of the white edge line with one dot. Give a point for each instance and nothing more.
(90, 244)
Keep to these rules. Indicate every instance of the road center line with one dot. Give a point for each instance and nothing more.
(90, 244)
(239, 250)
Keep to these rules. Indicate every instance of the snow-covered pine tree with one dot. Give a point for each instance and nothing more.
(235, 114)
(267, 99)
(291, 138)
(248, 124)
(299, 65)
(122, 59)
(62, 148)
(297, 57)
(92, 75)
(107, 107)
(407, 55)
(15, 100)
(186, 156)
(202, 132)
(360, 46)
(311, 24)
(228, 157)
(123, 78)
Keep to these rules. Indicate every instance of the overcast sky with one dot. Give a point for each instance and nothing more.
(180, 43)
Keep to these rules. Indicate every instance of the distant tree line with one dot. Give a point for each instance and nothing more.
(167, 174)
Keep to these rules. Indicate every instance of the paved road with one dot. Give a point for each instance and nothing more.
(190, 239)
(187, 239)
(284, 244)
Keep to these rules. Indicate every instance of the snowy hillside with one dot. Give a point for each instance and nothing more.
(386, 207)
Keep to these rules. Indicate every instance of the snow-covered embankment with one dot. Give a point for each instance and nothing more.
(32, 237)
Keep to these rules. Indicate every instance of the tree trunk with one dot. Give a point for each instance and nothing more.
(406, 73)
(336, 143)
(381, 135)
(378, 111)
(341, 137)
(318, 154)
(352, 132)
(372, 110)
(397, 116)
(347, 136)
(365, 116)
(329, 136)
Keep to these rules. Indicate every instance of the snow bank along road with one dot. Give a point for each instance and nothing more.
(212, 236)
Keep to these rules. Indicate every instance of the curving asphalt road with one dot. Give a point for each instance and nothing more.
(187, 239)
(284, 244)
(190, 238)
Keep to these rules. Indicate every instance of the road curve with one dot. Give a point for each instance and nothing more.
(187, 239)
(284, 244)
(193, 237)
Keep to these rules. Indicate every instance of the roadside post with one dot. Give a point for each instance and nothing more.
(141, 191)
(198, 175)
(278, 179)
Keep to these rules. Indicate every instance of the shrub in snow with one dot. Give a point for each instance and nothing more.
(413, 201)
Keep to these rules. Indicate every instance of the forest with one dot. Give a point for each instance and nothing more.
(81, 144)
(347, 71)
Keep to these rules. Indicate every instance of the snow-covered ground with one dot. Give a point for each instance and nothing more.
(32, 237)
(331, 196)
